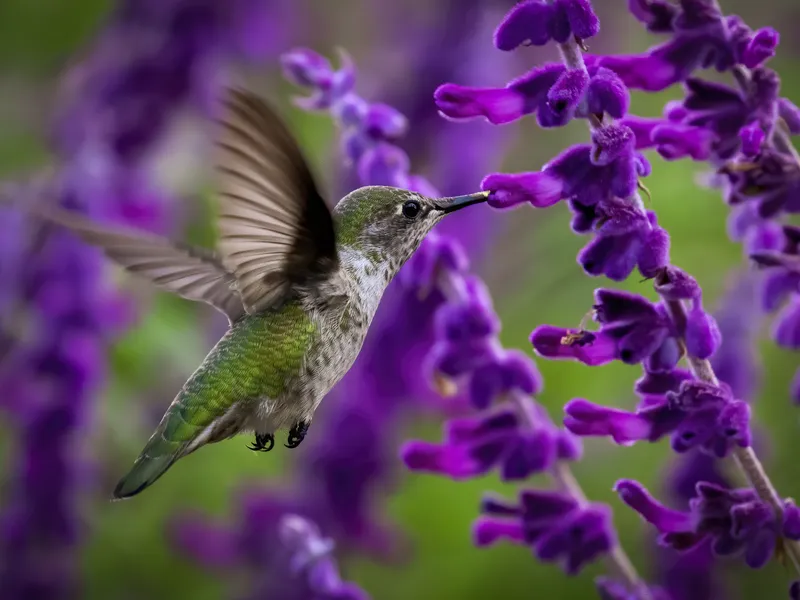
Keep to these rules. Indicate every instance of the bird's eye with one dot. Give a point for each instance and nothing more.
(411, 209)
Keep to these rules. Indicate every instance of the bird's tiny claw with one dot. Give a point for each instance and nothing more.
(297, 434)
(264, 443)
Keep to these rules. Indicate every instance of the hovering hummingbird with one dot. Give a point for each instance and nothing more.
(299, 285)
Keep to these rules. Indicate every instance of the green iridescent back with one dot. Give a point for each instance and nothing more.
(253, 360)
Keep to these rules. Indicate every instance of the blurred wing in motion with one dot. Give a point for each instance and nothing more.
(190, 272)
(274, 227)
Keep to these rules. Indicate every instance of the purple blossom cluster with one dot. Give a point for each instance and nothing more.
(59, 312)
(601, 184)
(512, 433)
(742, 131)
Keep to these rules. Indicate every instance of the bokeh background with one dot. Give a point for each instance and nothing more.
(403, 50)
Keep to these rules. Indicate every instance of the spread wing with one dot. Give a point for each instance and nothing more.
(274, 227)
(190, 272)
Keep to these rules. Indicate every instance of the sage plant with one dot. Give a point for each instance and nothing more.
(601, 182)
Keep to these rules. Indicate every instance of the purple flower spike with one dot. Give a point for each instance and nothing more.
(672, 140)
(585, 180)
(438, 254)
(507, 190)
(535, 23)
(639, 327)
(455, 360)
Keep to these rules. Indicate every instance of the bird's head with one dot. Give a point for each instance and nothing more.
(392, 222)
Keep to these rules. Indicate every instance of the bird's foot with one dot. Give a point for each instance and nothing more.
(264, 442)
(297, 434)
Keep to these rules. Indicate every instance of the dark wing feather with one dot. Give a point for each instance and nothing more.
(274, 227)
(190, 272)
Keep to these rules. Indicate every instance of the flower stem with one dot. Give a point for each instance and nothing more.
(745, 458)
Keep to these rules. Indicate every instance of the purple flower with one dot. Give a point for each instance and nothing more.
(555, 525)
(474, 446)
(633, 330)
(536, 23)
(582, 173)
(525, 95)
(695, 415)
(734, 521)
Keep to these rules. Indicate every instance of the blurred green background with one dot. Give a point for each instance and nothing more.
(530, 270)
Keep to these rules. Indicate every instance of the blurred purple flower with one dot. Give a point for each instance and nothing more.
(150, 61)
(283, 554)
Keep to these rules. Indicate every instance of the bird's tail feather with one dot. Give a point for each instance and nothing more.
(159, 454)
(146, 470)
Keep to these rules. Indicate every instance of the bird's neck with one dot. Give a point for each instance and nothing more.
(369, 273)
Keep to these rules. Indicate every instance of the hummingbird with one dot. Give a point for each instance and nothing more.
(299, 284)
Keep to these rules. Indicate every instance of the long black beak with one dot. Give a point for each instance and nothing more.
(448, 205)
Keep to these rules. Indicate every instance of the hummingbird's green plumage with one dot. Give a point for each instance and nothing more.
(234, 369)
(298, 283)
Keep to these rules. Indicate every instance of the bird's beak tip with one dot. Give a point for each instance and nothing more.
(448, 205)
